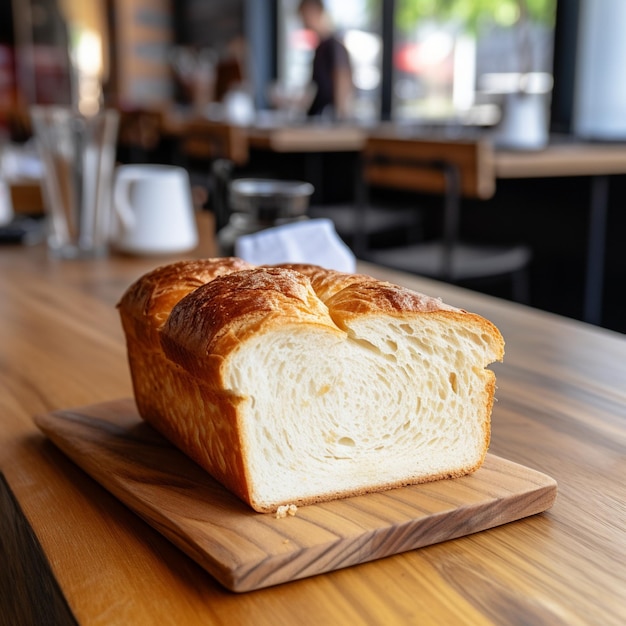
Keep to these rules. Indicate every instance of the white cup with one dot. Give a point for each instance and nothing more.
(153, 210)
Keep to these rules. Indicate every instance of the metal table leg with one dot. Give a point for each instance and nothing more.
(596, 244)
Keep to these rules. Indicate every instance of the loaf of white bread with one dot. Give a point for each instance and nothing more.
(295, 384)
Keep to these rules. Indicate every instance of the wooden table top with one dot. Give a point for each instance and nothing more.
(278, 136)
(562, 159)
(308, 138)
(561, 409)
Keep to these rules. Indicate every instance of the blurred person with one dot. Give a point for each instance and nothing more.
(332, 72)
(229, 71)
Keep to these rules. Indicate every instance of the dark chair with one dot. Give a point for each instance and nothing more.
(452, 169)
(373, 225)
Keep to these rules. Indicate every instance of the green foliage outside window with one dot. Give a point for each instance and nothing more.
(473, 13)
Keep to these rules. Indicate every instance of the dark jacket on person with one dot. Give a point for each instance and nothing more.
(330, 55)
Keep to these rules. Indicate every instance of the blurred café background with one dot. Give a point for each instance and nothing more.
(445, 70)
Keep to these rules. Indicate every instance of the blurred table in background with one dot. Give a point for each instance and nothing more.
(597, 161)
(314, 141)
(560, 158)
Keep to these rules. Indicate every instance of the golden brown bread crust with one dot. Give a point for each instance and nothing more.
(325, 282)
(182, 320)
(156, 293)
(144, 308)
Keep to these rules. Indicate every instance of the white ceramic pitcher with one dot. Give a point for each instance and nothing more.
(153, 210)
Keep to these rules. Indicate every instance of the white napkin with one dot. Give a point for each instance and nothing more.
(21, 161)
(312, 241)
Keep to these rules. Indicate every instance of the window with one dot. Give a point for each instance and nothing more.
(450, 58)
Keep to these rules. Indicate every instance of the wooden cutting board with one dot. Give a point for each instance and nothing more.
(245, 550)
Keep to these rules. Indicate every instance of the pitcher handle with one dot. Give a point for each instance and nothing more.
(121, 200)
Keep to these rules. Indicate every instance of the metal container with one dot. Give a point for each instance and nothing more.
(259, 203)
(270, 200)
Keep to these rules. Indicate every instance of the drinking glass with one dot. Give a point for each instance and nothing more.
(78, 156)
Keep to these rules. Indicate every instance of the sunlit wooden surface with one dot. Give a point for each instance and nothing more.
(561, 409)
(308, 138)
(247, 551)
(565, 159)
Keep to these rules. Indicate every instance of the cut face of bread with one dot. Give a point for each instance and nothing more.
(291, 395)
(349, 413)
